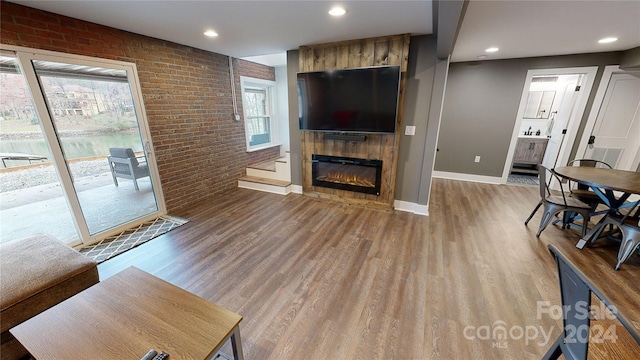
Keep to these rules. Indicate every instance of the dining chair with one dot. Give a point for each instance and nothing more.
(629, 225)
(581, 191)
(555, 204)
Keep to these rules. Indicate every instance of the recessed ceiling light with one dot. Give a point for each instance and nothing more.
(492, 49)
(337, 11)
(211, 33)
(607, 40)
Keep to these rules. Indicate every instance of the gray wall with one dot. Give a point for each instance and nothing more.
(631, 59)
(295, 142)
(480, 107)
(422, 106)
(282, 92)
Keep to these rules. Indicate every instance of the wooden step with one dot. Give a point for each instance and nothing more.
(265, 181)
(269, 165)
(264, 184)
(277, 169)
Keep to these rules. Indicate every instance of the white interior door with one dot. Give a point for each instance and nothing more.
(615, 136)
(562, 117)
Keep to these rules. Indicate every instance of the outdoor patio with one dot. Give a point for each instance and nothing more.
(43, 209)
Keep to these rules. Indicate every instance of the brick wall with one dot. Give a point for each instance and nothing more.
(200, 149)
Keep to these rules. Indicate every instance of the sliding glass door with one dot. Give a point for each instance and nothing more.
(90, 115)
(30, 189)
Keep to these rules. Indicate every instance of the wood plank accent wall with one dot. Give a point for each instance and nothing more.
(388, 50)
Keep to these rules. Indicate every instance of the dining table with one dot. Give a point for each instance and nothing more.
(613, 186)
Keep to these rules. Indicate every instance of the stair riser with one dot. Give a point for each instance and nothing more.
(282, 172)
(282, 190)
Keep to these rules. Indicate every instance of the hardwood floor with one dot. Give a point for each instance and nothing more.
(322, 280)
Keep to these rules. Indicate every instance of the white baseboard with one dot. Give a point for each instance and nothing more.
(468, 177)
(411, 207)
(296, 189)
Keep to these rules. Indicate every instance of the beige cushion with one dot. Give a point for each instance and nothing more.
(37, 273)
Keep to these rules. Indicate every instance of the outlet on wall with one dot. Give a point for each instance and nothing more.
(477, 159)
(410, 130)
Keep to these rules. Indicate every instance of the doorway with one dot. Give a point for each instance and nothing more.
(67, 112)
(612, 132)
(554, 118)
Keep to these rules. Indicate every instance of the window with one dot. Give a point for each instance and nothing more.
(258, 103)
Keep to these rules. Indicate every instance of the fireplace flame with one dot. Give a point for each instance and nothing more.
(347, 179)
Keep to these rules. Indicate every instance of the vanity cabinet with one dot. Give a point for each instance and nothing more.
(529, 153)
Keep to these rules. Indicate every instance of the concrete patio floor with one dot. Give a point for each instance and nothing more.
(42, 209)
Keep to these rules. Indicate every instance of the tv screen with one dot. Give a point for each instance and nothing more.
(363, 100)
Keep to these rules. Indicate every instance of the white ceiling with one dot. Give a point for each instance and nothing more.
(542, 28)
(251, 28)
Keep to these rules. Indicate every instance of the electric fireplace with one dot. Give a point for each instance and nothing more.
(352, 174)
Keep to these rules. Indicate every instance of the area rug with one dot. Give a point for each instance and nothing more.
(130, 238)
(527, 180)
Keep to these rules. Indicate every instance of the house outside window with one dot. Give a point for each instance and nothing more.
(258, 104)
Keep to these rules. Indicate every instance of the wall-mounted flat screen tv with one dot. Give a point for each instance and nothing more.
(361, 100)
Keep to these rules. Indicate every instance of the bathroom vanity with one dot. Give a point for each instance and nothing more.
(528, 154)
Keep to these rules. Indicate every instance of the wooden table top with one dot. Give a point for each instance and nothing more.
(620, 288)
(125, 316)
(610, 179)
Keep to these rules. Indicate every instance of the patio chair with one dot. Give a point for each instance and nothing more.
(555, 204)
(124, 164)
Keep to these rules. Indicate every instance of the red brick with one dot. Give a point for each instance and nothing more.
(44, 17)
(14, 9)
(17, 28)
(49, 34)
(34, 39)
(8, 36)
(65, 44)
(6, 18)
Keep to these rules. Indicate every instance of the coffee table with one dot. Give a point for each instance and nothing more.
(125, 316)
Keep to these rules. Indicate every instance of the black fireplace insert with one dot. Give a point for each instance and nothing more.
(345, 173)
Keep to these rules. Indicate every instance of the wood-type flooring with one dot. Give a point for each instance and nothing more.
(320, 280)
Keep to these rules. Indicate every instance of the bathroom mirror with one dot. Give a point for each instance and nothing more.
(539, 104)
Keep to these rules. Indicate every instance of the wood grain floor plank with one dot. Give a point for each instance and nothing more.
(315, 279)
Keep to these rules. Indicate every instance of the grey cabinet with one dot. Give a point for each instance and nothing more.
(529, 153)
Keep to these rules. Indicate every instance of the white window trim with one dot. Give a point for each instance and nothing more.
(270, 87)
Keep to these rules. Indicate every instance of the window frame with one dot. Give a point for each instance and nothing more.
(25, 57)
(269, 87)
